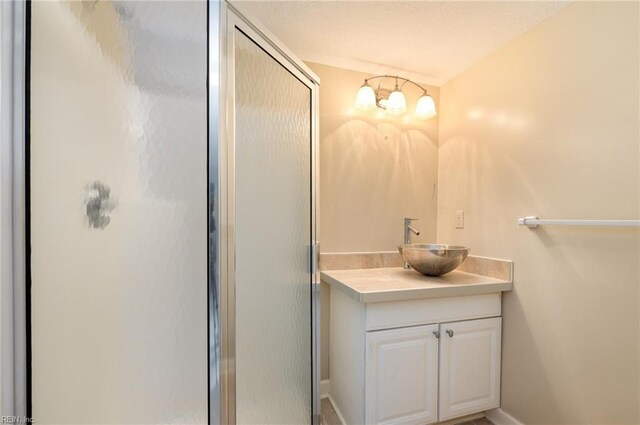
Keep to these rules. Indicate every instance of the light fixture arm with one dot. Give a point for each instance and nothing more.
(396, 77)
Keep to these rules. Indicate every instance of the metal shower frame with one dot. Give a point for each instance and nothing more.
(14, 272)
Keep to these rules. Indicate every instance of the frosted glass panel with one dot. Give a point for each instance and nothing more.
(119, 212)
(273, 230)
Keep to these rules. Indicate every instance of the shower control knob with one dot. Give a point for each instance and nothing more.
(98, 204)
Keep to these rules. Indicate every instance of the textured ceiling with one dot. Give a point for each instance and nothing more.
(429, 41)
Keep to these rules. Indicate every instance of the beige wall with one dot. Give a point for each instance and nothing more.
(374, 171)
(548, 126)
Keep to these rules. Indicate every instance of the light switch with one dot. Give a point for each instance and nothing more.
(460, 219)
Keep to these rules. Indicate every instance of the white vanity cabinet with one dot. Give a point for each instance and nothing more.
(414, 362)
(402, 376)
(469, 367)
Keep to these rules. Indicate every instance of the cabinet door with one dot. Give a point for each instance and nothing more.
(402, 376)
(469, 367)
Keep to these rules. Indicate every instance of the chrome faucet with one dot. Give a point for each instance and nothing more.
(408, 229)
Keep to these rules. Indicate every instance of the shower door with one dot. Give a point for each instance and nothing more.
(118, 212)
(146, 304)
(271, 192)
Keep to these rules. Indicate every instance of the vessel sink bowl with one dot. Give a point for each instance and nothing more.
(433, 259)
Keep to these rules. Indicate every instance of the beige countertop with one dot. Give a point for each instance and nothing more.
(371, 285)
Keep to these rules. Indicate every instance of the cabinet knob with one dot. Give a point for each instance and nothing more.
(437, 334)
(450, 332)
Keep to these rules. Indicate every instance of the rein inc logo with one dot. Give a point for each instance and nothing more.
(16, 420)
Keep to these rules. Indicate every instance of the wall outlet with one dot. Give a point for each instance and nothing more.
(460, 219)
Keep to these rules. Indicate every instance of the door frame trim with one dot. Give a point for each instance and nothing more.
(215, 231)
(13, 225)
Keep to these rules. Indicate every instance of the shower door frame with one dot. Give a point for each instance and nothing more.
(14, 248)
(222, 175)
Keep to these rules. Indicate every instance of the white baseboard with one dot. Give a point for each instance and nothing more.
(500, 417)
(324, 388)
(338, 413)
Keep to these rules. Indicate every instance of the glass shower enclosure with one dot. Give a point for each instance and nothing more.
(170, 203)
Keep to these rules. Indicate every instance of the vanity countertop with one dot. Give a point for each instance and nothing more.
(373, 285)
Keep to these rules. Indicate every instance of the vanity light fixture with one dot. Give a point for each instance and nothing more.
(366, 98)
(393, 100)
(396, 103)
